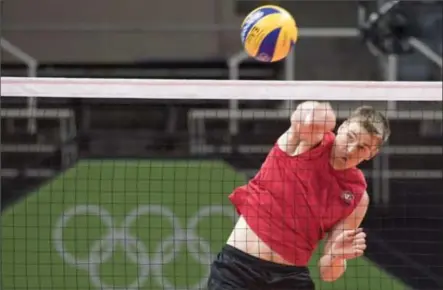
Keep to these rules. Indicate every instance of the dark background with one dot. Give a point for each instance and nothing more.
(81, 39)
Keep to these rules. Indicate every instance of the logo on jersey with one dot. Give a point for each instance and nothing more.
(347, 197)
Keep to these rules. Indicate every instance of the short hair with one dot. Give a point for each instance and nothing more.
(372, 121)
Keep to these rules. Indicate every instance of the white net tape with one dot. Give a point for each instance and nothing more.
(221, 89)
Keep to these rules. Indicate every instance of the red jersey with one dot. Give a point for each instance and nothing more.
(293, 201)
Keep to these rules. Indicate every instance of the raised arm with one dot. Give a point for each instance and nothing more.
(345, 241)
(309, 122)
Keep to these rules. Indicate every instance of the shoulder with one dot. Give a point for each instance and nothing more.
(353, 185)
(364, 201)
(354, 219)
(359, 177)
(360, 180)
(358, 187)
(355, 180)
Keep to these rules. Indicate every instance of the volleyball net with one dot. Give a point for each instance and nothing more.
(123, 183)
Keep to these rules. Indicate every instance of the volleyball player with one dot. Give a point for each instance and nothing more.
(308, 188)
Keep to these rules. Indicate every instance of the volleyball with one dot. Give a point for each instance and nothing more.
(268, 33)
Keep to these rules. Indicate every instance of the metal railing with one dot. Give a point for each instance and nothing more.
(32, 65)
(381, 164)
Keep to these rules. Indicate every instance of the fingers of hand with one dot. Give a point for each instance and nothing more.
(313, 118)
(323, 114)
(303, 113)
(313, 112)
(359, 240)
(358, 253)
(354, 251)
(351, 243)
(358, 246)
(351, 234)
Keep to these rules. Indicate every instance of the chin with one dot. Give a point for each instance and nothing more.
(340, 165)
(336, 167)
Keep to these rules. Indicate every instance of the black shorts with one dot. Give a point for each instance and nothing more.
(237, 270)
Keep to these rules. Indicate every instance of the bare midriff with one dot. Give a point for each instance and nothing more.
(246, 240)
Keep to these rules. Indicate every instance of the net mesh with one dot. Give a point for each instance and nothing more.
(120, 187)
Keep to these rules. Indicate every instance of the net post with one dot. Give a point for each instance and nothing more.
(234, 74)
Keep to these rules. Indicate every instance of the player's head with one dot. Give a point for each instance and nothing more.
(359, 138)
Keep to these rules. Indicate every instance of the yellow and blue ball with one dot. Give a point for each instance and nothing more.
(268, 33)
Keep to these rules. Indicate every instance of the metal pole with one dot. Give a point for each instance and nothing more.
(32, 101)
(427, 52)
(289, 76)
(234, 74)
(32, 72)
(289, 66)
(381, 162)
(391, 75)
(376, 188)
(361, 13)
(392, 71)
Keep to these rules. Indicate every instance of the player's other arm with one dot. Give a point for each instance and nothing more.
(309, 122)
(346, 241)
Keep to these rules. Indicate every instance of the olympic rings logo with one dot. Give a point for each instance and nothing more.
(137, 251)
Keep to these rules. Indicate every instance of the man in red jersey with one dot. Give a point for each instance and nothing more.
(307, 189)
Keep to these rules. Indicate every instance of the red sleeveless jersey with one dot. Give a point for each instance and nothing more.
(293, 201)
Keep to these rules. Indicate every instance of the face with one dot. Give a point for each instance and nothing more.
(353, 145)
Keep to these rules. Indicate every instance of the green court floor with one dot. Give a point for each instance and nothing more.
(133, 225)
